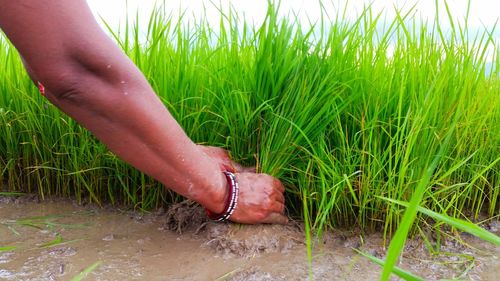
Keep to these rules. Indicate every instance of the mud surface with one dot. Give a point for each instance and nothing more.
(57, 240)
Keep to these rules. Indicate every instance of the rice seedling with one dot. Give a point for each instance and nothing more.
(82, 275)
(228, 275)
(45, 222)
(7, 248)
(355, 119)
(396, 270)
(58, 240)
(49, 223)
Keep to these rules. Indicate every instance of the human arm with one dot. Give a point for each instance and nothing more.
(88, 77)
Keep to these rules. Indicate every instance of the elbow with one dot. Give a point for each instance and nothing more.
(68, 93)
(74, 85)
(68, 89)
(86, 84)
(61, 83)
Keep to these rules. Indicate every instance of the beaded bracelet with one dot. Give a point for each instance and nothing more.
(231, 202)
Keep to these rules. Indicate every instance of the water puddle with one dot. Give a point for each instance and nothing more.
(58, 240)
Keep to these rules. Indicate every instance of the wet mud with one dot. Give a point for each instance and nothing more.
(231, 240)
(58, 239)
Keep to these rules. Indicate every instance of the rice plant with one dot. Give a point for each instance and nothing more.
(354, 119)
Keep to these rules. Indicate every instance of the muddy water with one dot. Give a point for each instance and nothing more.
(57, 240)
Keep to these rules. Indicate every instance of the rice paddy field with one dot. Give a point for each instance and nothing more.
(389, 127)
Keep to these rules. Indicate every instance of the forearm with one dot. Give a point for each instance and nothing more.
(128, 117)
(87, 76)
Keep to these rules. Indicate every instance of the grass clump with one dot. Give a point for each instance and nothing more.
(353, 118)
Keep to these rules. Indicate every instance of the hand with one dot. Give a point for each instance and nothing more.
(260, 199)
(221, 156)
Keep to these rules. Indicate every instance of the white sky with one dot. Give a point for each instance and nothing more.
(483, 13)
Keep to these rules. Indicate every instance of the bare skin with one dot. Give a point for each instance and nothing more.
(88, 77)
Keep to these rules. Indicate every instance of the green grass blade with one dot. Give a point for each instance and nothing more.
(56, 241)
(82, 275)
(7, 248)
(457, 223)
(396, 270)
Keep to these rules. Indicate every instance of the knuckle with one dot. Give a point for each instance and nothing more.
(260, 216)
(269, 203)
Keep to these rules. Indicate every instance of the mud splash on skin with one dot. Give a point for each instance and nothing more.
(134, 246)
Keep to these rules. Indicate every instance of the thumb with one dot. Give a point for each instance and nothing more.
(276, 218)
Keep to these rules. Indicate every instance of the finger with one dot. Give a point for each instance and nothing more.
(279, 197)
(275, 183)
(278, 208)
(278, 185)
(276, 218)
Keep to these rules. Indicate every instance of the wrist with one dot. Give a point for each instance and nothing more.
(218, 195)
(231, 200)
